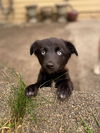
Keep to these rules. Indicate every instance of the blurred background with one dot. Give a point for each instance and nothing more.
(24, 21)
(22, 11)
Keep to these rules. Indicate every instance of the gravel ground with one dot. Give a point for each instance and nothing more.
(54, 116)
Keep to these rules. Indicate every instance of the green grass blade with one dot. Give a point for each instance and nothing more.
(97, 122)
(86, 126)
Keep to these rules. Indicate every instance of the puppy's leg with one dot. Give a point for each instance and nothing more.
(64, 88)
(32, 89)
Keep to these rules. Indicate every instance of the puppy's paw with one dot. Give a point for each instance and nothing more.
(62, 94)
(64, 90)
(31, 90)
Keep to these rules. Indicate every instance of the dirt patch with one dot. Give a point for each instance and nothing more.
(53, 115)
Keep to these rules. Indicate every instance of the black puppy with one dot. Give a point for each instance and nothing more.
(53, 54)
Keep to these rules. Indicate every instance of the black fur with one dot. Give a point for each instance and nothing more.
(53, 54)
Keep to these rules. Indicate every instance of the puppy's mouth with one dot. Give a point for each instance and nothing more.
(50, 70)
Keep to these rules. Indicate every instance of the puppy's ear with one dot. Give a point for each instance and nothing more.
(33, 48)
(71, 47)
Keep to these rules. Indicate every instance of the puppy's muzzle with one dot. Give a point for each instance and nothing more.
(50, 65)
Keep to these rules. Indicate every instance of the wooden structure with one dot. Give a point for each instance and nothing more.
(86, 8)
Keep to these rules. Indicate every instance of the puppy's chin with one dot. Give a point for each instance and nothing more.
(53, 70)
(50, 71)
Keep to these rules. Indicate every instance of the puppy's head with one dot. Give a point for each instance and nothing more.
(53, 53)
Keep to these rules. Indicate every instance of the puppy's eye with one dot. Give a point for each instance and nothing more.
(59, 52)
(43, 52)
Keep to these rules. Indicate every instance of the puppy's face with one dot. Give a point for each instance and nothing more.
(53, 53)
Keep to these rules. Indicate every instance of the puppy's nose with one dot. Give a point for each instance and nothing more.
(50, 65)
